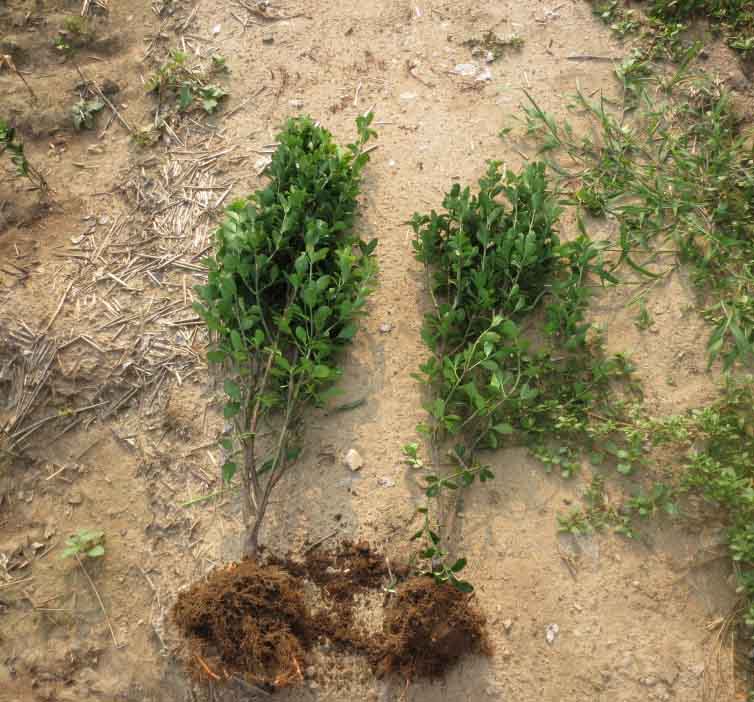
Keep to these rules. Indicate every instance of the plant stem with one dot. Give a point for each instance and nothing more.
(99, 599)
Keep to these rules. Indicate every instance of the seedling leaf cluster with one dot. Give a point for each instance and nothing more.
(184, 87)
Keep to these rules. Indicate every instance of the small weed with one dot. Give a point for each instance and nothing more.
(83, 545)
(10, 143)
(84, 113)
(146, 136)
(220, 64)
(411, 454)
(565, 460)
(575, 522)
(76, 33)
(660, 29)
(86, 543)
(679, 173)
(178, 84)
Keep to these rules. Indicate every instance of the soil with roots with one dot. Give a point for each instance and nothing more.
(257, 621)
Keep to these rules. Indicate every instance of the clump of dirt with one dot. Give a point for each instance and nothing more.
(428, 627)
(249, 620)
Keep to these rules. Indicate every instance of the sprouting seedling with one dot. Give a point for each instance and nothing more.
(411, 454)
(85, 543)
(84, 113)
(89, 544)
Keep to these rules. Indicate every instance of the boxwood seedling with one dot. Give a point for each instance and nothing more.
(287, 284)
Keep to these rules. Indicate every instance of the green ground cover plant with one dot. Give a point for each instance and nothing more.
(671, 164)
(661, 27)
(287, 286)
(677, 176)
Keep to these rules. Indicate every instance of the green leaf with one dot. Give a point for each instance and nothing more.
(321, 372)
(503, 428)
(348, 331)
(96, 552)
(229, 470)
(216, 356)
(186, 97)
(458, 566)
(232, 390)
(462, 585)
(231, 410)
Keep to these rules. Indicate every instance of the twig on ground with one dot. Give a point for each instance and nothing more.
(99, 599)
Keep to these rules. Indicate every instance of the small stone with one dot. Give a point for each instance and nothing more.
(313, 685)
(466, 69)
(268, 38)
(484, 75)
(649, 681)
(407, 97)
(386, 482)
(216, 29)
(507, 625)
(103, 220)
(75, 499)
(354, 460)
(261, 164)
(551, 633)
(298, 103)
(310, 672)
(386, 328)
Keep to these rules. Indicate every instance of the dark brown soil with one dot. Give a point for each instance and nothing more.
(347, 571)
(429, 627)
(249, 620)
(252, 620)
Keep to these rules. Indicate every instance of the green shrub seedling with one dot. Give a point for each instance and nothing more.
(287, 285)
(492, 260)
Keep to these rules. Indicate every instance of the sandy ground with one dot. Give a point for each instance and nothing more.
(95, 312)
